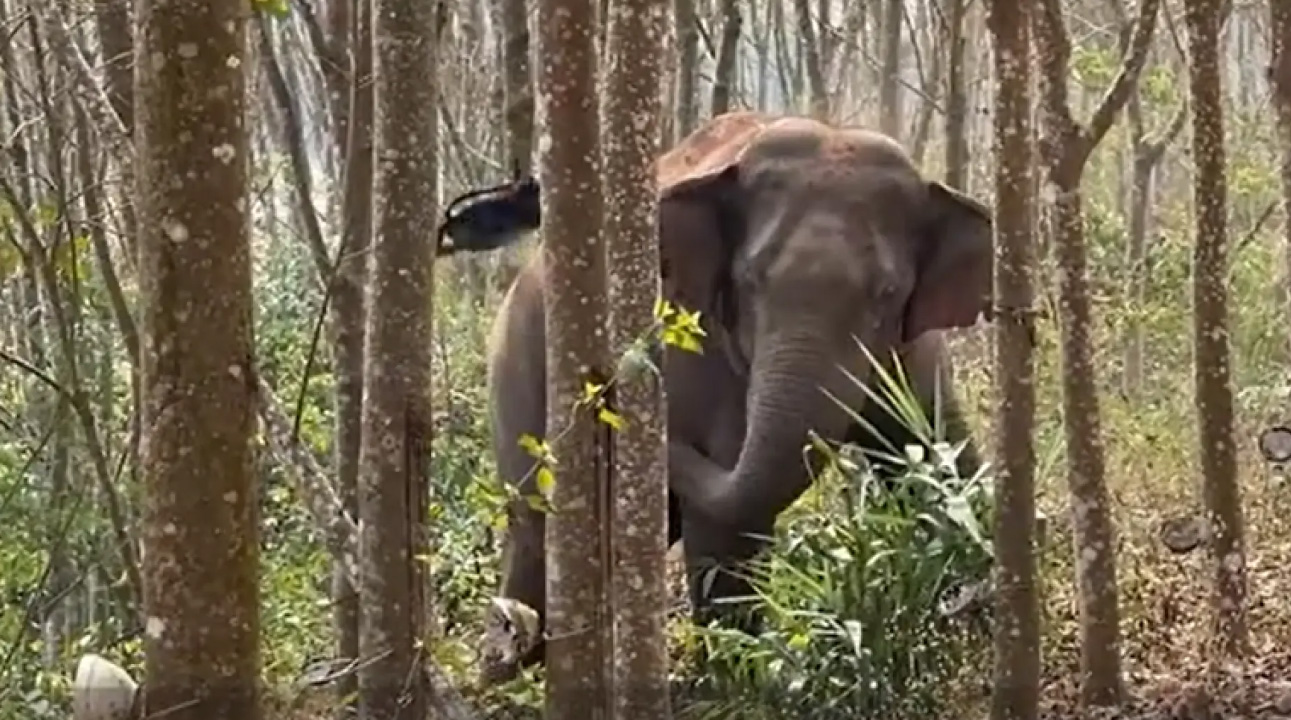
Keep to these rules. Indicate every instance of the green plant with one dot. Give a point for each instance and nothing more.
(858, 591)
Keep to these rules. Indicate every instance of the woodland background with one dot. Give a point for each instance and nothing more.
(1114, 299)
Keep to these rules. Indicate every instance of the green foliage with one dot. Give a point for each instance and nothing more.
(673, 325)
(274, 8)
(855, 591)
(1094, 67)
(1159, 86)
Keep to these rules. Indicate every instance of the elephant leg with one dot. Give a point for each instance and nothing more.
(524, 573)
(518, 395)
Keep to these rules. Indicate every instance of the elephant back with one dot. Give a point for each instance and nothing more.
(712, 147)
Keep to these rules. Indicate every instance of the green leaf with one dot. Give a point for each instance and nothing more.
(276, 8)
(611, 418)
(545, 481)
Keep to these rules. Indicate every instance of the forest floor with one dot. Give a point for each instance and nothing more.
(1170, 668)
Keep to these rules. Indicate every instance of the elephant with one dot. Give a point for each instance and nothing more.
(796, 240)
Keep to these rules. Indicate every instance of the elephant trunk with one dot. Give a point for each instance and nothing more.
(785, 396)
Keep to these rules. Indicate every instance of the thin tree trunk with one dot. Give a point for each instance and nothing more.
(956, 99)
(394, 453)
(639, 502)
(201, 523)
(1066, 147)
(1146, 156)
(577, 354)
(1214, 392)
(889, 85)
(1017, 615)
(724, 75)
(812, 59)
(1280, 79)
(353, 142)
(687, 73)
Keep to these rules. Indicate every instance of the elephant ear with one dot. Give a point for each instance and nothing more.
(956, 274)
(699, 208)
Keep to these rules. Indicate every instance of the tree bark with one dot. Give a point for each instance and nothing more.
(201, 520)
(1280, 79)
(956, 99)
(889, 85)
(351, 31)
(112, 18)
(724, 75)
(1065, 148)
(640, 500)
(517, 93)
(1017, 634)
(686, 101)
(811, 58)
(394, 453)
(577, 354)
(1214, 392)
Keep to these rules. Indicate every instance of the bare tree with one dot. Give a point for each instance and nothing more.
(639, 544)
(956, 97)
(1065, 149)
(1280, 79)
(351, 35)
(1214, 392)
(813, 60)
(517, 83)
(1146, 154)
(1017, 631)
(890, 82)
(577, 354)
(201, 523)
(724, 74)
(686, 102)
(394, 453)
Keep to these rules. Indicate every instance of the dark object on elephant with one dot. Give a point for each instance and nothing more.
(1275, 444)
(1182, 535)
(490, 218)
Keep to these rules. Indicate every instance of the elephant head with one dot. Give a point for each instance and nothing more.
(823, 237)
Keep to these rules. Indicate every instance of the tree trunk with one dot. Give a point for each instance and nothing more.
(1066, 147)
(1017, 633)
(639, 543)
(201, 523)
(889, 85)
(724, 75)
(1214, 392)
(687, 73)
(112, 18)
(577, 354)
(1280, 79)
(956, 99)
(1146, 156)
(517, 79)
(812, 58)
(394, 454)
(351, 33)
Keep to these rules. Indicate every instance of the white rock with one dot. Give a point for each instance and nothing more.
(101, 690)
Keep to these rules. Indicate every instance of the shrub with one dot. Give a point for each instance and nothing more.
(860, 592)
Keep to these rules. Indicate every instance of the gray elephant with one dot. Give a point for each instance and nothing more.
(796, 240)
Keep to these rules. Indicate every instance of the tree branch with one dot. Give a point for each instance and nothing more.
(294, 136)
(1131, 68)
